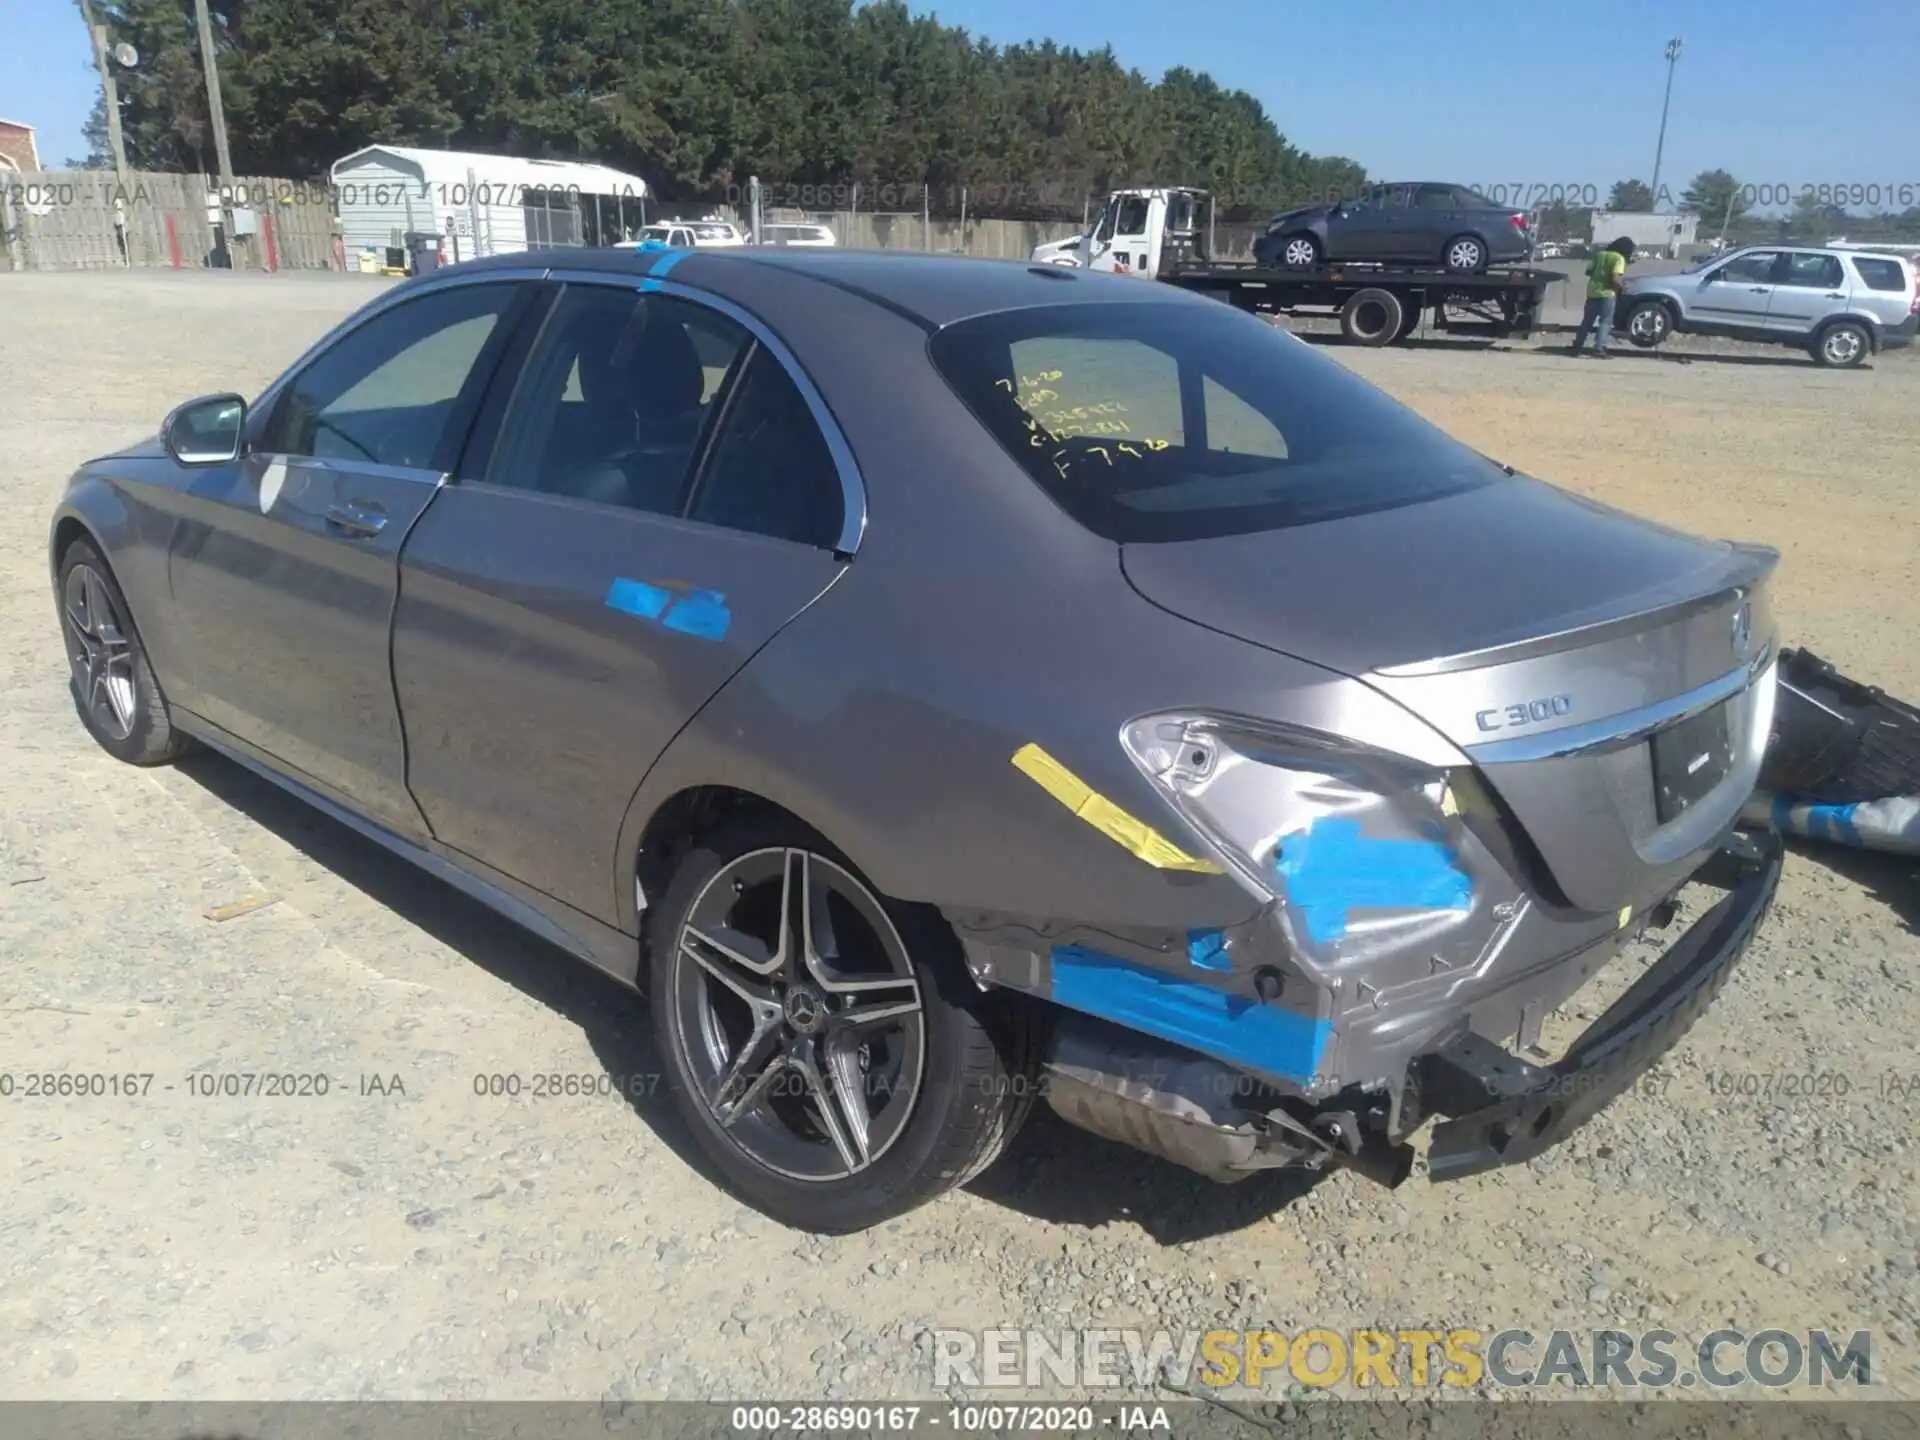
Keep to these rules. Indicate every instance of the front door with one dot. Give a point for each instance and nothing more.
(650, 506)
(1364, 229)
(284, 565)
(1127, 246)
(1739, 293)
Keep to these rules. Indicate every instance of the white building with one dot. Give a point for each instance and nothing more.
(483, 204)
(1651, 234)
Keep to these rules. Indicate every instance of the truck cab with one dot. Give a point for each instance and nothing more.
(1140, 232)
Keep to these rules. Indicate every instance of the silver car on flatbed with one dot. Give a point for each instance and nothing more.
(1841, 306)
(938, 683)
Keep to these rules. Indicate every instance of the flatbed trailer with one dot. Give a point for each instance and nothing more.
(1379, 304)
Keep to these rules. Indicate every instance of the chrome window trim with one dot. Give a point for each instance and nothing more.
(853, 486)
(1624, 728)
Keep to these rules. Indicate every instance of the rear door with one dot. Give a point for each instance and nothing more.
(647, 504)
(1428, 223)
(284, 566)
(1740, 292)
(1811, 286)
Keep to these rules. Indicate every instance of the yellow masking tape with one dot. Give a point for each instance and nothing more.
(1626, 914)
(1105, 816)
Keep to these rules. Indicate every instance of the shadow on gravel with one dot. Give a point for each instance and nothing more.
(1894, 880)
(1677, 357)
(1333, 338)
(1058, 1173)
(613, 1019)
(1052, 1171)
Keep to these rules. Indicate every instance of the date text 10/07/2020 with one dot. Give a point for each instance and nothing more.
(962, 1419)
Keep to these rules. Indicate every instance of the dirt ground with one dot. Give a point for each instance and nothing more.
(403, 1236)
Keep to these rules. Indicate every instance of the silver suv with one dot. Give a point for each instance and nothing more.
(1839, 305)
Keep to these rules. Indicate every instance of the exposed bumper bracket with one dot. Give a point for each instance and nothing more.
(1505, 1111)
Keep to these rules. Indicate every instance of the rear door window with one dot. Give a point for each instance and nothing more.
(1814, 272)
(1181, 421)
(770, 471)
(615, 397)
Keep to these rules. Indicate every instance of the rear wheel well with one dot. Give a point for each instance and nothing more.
(676, 827)
(1859, 322)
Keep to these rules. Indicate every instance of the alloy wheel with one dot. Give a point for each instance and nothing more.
(1299, 252)
(798, 1013)
(99, 652)
(1465, 255)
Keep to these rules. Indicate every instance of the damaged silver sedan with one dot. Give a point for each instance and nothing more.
(938, 684)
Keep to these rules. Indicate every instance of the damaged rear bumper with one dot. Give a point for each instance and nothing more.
(1211, 1116)
(1501, 1110)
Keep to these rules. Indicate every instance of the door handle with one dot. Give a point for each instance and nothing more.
(1759, 289)
(1836, 295)
(356, 521)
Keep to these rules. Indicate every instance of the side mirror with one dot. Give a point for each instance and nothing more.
(206, 431)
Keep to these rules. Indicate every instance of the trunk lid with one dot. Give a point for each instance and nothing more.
(1548, 636)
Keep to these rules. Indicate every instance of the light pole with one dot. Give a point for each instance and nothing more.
(1673, 54)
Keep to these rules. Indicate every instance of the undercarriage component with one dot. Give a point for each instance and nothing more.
(1504, 1111)
(1170, 1102)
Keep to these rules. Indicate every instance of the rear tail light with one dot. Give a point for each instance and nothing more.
(1518, 221)
(1913, 307)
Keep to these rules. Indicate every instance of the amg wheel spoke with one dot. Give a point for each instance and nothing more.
(876, 1012)
(833, 1115)
(732, 964)
(746, 1080)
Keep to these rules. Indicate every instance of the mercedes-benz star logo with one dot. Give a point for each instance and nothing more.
(804, 1011)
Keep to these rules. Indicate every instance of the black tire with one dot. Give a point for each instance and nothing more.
(1843, 345)
(1464, 255)
(1409, 323)
(974, 1055)
(109, 677)
(1648, 324)
(1373, 317)
(1299, 251)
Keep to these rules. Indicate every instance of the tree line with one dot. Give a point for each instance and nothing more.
(695, 96)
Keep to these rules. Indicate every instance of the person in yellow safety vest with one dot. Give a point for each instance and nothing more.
(1606, 278)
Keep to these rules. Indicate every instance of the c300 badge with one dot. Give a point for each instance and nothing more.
(1533, 712)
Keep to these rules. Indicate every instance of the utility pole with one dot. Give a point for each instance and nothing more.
(110, 92)
(216, 113)
(1673, 55)
(217, 117)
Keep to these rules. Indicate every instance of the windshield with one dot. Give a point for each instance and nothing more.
(1152, 422)
(713, 232)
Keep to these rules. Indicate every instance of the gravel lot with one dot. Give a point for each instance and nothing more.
(422, 1241)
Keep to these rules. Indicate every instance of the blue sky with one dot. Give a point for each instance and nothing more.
(1777, 91)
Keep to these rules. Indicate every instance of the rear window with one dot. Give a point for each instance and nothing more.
(1880, 274)
(1163, 422)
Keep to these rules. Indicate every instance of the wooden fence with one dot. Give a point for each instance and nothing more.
(91, 220)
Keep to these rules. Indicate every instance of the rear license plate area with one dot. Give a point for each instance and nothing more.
(1689, 759)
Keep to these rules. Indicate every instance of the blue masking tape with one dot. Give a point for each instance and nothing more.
(702, 614)
(1227, 1027)
(1207, 949)
(666, 262)
(636, 597)
(1333, 869)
